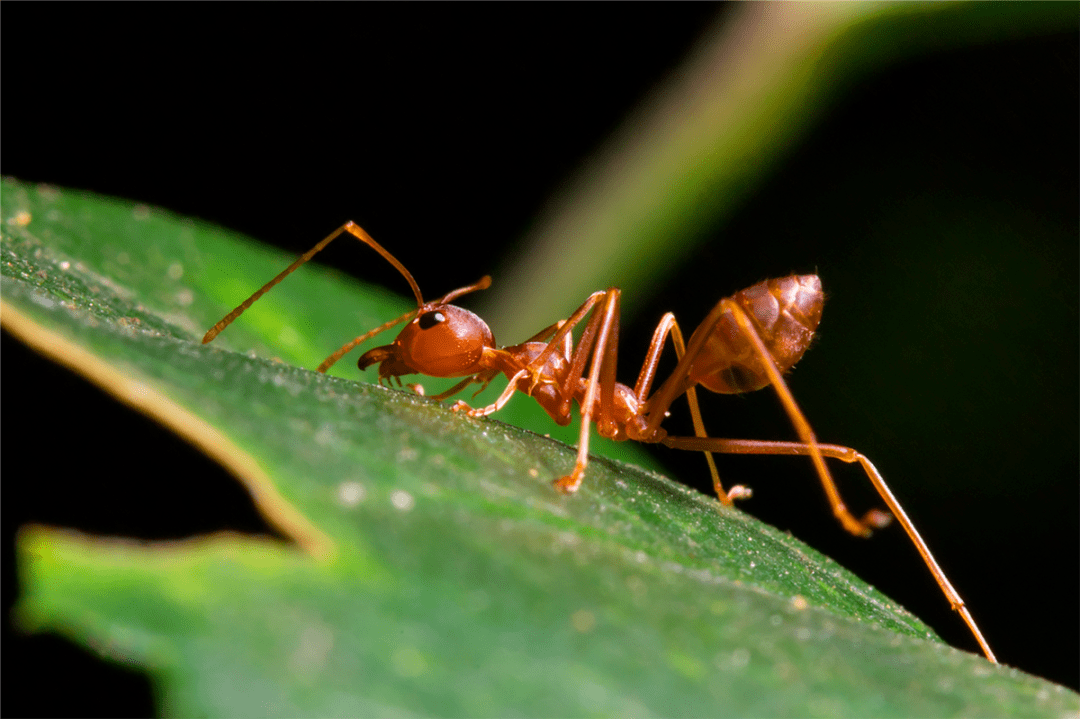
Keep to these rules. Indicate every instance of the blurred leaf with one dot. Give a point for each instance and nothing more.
(699, 144)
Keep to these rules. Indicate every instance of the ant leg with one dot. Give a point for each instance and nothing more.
(559, 333)
(875, 517)
(562, 335)
(736, 492)
(483, 379)
(859, 527)
(462, 406)
(668, 325)
(601, 335)
(678, 383)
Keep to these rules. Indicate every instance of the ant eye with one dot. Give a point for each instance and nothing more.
(430, 319)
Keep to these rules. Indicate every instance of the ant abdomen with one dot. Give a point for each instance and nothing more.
(785, 313)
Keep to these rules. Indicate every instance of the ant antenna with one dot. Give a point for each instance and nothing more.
(353, 229)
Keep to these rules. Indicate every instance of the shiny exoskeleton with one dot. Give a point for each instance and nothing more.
(746, 342)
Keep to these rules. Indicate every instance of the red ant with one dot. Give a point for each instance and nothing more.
(745, 343)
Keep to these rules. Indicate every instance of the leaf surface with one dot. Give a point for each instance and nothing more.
(432, 567)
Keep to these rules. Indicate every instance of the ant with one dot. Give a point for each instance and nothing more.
(746, 342)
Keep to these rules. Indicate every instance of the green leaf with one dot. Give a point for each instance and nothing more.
(432, 568)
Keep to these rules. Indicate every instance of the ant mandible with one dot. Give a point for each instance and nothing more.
(745, 343)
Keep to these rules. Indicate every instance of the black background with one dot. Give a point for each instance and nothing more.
(443, 129)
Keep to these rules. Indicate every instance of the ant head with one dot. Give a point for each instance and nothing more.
(441, 341)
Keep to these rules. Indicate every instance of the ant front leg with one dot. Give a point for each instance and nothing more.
(554, 375)
(507, 359)
(601, 334)
(462, 406)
